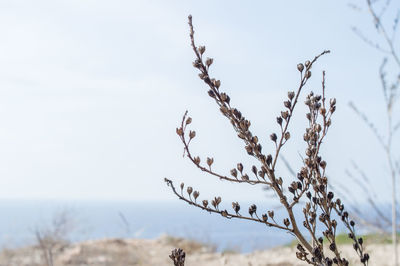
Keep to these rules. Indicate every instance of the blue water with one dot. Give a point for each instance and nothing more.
(96, 220)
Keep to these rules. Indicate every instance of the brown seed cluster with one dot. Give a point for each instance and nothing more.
(178, 257)
(320, 208)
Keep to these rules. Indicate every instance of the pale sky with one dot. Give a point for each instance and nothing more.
(91, 92)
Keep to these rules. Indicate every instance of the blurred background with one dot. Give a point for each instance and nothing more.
(91, 93)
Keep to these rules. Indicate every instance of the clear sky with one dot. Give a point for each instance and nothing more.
(91, 92)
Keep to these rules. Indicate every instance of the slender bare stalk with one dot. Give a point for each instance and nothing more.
(391, 97)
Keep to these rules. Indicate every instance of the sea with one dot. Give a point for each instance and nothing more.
(20, 220)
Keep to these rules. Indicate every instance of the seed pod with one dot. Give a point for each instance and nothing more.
(271, 214)
(240, 167)
(286, 222)
(252, 209)
(236, 207)
(265, 217)
(254, 170)
(245, 177)
(197, 160)
(202, 49)
(279, 120)
(234, 172)
(210, 161)
(179, 131)
(192, 134)
(196, 195)
(209, 61)
(205, 203)
(284, 114)
(307, 63)
(287, 135)
(189, 190)
(300, 67)
(273, 137)
(291, 95)
(182, 185)
(188, 120)
(308, 74)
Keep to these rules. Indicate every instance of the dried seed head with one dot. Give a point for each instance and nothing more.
(307, 63)
(236, 207)
(300, 67)
(234, 172)
(205, 203)
(291, 95)
(188, 120)
(271, 214)
(245, 177)
(308, 74)
(196, 160)
(223, 96)
(330, 195)
(223, 109)
(285, 114)
(252, 209)
(269, 159)
(265, 217)
(192, 134)
(209, 61)
(287, 135)
(286, 222)
(196, 194)
(197, 64)
(211, 93)
(179, 131)
(273, 137)
(210, 161)
(189, 190)
(217, 84)
(182, 185)
(279, 120)
(254, 170)
(202, 49)
(287, 104)
(240, 167)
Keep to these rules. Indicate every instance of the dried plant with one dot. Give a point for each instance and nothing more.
(54, 237)
(178, 257)
(386, 28)
(310, 191)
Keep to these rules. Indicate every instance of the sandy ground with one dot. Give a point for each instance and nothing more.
(126, 252)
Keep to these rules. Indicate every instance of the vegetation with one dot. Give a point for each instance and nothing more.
(322, 211)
